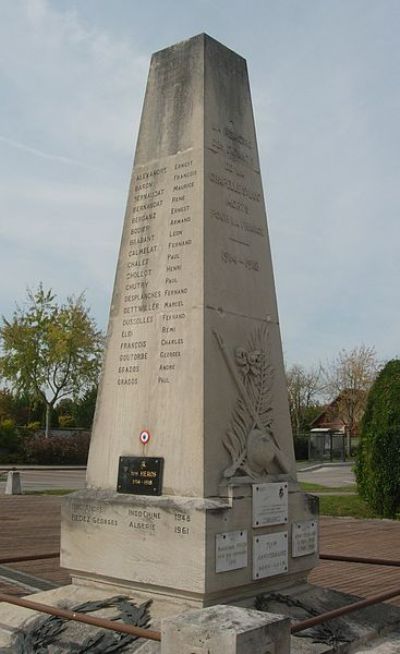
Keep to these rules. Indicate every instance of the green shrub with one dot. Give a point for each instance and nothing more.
(66, 421)
(58, 450)
(8, 434)
(378, 460)
(33, 426)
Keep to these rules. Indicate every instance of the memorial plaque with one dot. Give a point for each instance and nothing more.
(270, 554)
(140, 475)
(304, 538)
(270, 504)
(231, 551)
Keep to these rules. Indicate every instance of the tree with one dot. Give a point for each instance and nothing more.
(378, 459)
(84, 407)
(51, 350)
(6, 404)
(304, 387)
(347, 379)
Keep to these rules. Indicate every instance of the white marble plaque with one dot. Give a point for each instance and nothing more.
(231, 551)
(270, 554)
(270, 504)
(304, 537)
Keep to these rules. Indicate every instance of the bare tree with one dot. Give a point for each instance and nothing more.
(304, 387)
(347, 379)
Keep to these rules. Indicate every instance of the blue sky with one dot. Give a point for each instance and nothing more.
(325, 83)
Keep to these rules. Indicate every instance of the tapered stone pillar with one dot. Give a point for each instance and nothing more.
(191, 484)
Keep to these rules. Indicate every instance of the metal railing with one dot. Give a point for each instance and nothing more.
(82, 617)
(343, 610)
(156, 635)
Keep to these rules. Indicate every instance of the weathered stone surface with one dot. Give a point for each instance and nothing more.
(225, 629)
(167, 545)
(193, 373)
(194, 277)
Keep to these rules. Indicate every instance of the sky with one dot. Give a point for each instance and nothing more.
(324, 76)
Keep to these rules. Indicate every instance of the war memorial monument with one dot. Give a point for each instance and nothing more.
(191, 498)
(192, 516)
(191, 495)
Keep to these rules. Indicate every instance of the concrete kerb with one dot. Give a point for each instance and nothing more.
(4, 468)
(318, 466)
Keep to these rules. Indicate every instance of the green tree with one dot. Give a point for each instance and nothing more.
(6, 404)
(50, 350)
(378, 460)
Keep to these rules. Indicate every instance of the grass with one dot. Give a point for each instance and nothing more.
(319, 488)
(347, 504)
(341, 506)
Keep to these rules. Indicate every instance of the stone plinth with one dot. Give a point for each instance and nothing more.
(189, 552)
(225, 629)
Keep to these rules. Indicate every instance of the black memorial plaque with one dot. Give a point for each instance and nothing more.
(140, 475)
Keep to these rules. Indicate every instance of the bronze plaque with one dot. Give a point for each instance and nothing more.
(140, 475)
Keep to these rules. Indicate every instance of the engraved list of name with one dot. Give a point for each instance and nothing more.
(156, 260)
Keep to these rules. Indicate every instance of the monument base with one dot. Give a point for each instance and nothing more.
(187, 552)
(349, 633)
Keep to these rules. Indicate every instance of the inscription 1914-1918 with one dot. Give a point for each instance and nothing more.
(140, 475)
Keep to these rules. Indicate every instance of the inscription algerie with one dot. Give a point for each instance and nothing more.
(147, 519)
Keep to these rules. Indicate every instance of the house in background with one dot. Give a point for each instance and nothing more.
(335, 431)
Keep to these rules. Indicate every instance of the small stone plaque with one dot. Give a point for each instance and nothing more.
(270, 504)
(140, 475)
(270, 555)
(231, 551)
(304, 538)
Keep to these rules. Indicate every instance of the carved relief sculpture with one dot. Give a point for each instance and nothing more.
(250, 439)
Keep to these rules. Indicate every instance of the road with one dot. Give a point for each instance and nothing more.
(332, 476)
(47, 479)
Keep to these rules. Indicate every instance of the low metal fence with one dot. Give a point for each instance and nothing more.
(156, 635)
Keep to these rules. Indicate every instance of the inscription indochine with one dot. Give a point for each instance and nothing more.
(156, 259)
(134, 520)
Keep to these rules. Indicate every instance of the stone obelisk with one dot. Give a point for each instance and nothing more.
(191, 485)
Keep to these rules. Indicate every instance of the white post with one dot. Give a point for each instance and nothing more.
(13, 483)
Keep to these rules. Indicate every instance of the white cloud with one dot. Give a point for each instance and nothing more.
(322, 74)
(75, 84)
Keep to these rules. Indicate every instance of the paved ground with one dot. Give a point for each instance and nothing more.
(49, 479)
(31, 525)
(370, 538)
